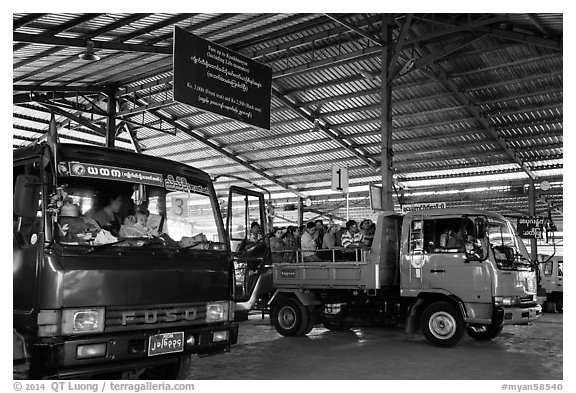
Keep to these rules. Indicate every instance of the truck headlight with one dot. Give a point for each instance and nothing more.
(506, 301)
(217, 311)
(83, 321)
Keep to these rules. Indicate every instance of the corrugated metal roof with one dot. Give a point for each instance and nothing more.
(484, 91)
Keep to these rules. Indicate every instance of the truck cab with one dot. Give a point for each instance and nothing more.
(449, 270)
(121, 265)
(551, 282)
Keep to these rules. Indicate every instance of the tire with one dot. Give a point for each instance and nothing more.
(442, 324)
(560, 306)
(309, 327)
(336, 325)
(488, 333)
(290, 318)
(550, 306)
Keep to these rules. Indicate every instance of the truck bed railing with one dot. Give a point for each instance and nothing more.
(337, 254)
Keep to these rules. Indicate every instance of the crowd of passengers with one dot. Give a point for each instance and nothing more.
(317, 241)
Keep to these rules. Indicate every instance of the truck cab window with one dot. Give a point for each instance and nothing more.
(125, 214)
(509, 253)
(443, 235)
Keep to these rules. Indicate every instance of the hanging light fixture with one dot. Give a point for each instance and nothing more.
(89, 54)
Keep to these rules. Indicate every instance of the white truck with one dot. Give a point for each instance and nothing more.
(480, 283)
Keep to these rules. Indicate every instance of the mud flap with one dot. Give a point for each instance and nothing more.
(411, 320)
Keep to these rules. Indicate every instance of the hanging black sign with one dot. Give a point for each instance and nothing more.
(213, 78)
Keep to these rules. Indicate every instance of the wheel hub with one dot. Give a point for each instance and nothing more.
(287, 317)
(442, 325)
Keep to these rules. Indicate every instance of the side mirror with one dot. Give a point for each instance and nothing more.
(26, 195)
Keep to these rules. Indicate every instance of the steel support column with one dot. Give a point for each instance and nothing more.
(111, 119)
(532, 213)
(386, 115)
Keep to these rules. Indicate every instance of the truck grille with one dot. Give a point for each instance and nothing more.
(124, 318)
(527, 301)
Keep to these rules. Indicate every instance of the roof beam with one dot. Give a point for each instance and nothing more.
(133, 137)
(437, 55)
(197, 135)
(81, 43)
(112, 26)
(190, 131)
(23, 21)
(511, 35)
(60, 88)
(357, 30)
(52, 32)
(170, 21)
(325, 126)
(361, 54)
(536, 22)
(452, 30)
(442, 77)
(77, 118)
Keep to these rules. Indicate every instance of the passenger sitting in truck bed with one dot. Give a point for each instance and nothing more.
(352, 238)
(277, 245)
(308, 243)
(290, 243)
(367, 231)
(329, 243)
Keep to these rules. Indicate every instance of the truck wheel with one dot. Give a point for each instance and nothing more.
(336, 325)
(289, 317)
(485, 333)
(550, 306)
(309, 327)
(442, 324)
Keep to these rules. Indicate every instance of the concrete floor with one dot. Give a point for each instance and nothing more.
(519, 353)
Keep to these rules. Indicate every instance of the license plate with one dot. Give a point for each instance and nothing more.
(161, 344)
(532, 313)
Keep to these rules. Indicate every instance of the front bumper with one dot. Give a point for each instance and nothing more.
(517, 315)
(57, 357)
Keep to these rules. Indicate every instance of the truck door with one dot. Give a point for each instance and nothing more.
(448, 268)
(247, 231)
(28, 237)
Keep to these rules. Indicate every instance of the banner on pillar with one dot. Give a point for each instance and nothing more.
(530, 227)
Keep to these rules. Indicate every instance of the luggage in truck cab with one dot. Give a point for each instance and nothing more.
(122, 265)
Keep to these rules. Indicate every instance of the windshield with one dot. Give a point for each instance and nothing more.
(156, 210)
(509, 252)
